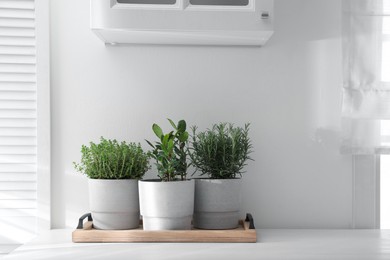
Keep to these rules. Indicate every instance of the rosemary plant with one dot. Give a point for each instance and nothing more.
(170, 151)
(112, 160)
(222, 151)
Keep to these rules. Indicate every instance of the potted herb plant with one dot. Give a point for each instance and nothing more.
(220, 153)
(167, 203)
(113, 169)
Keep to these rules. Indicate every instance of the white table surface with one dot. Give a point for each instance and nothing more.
(272, 244)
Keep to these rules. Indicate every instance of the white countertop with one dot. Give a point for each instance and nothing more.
(272, 244)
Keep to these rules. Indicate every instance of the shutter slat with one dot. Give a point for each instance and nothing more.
(17, 59)
(12, 104)
(17, 213)
(17, 13)
(17, 168)
(23, 176)
(20, 140)
(17, 41)
(18, 204)
(16, 31)
(18, 150)
(17, 86)
(12, 95)
(17, 68)
(12, 131)
(18, 186)
(20, 113)
(17, 23)
(18, 195)
(17, 4)
(18, 159)
(18, 122)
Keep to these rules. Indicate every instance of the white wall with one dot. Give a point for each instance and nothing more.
(289, 90)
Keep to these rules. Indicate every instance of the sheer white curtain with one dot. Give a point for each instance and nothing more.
(366, 76)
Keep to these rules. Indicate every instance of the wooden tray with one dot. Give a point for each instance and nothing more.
(85, 233)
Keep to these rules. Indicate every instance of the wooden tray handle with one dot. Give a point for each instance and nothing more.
(249, 219)
(81, 220)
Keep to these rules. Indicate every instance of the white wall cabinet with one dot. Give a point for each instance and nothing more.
(193, 22)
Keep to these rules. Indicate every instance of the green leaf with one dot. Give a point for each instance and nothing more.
(181, 126)
(171, 136)
(183, 137)
(150, 144)
(165, 140)
(170, 145)
(172, 123)
(157, 130)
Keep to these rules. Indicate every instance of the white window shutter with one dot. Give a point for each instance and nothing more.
(18, 122)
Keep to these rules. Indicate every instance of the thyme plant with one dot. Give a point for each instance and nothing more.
(170, 152)
(222, 151)
(110, 159)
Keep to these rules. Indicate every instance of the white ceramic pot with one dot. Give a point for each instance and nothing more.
(166, 205)
(114, 204)
(217, 203)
